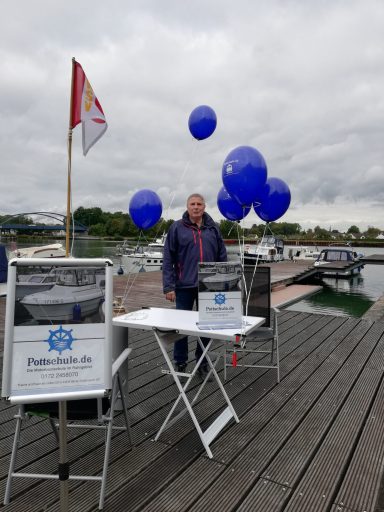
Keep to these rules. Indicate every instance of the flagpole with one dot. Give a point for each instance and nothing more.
(67, 234)
(63, 457)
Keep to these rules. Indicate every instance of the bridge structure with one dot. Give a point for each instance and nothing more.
(7, 226)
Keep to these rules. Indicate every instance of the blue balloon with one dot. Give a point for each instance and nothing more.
(229, 207)
(244, 174)
(145, 208)
(202, 122)
(275, 200)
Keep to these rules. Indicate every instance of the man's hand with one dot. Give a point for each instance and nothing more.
(170, 296)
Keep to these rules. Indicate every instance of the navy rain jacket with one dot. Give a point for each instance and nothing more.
(187, 245)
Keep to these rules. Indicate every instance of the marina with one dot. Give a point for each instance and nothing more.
(265, 394)
(331, 387)
(276, 465)
(312, 442)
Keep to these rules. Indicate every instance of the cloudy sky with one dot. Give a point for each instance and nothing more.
(301, 81)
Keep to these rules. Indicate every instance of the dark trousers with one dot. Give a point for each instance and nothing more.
(185, 299)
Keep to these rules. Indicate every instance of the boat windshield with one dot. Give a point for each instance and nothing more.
(335, 256)
(76, 277)
(155, 250)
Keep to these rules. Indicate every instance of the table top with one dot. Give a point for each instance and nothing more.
(184, 322)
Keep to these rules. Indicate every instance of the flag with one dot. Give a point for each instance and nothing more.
(86, 109)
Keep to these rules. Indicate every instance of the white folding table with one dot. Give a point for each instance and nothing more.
(168, 325)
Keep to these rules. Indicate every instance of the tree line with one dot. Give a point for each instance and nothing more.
(119, 225)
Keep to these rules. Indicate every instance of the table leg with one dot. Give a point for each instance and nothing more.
(217, 378)
(182, 396)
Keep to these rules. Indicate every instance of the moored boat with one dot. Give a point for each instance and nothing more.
(339, 254)
(304, 253)
(42, 251)
(144, 259)
(270, 249)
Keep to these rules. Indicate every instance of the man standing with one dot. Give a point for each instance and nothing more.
(193, 239)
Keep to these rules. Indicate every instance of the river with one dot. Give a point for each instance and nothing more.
(345, 297)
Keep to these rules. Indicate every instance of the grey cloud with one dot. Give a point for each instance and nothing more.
(301, 81)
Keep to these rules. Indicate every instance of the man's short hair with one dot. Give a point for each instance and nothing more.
(195, 195)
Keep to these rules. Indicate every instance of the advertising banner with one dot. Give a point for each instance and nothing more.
(56, 328)
(51, 359)
(220, 295)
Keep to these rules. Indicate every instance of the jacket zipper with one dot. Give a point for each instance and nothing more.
(201, 245)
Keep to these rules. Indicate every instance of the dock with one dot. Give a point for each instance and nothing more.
(285, 277)
(314, 442)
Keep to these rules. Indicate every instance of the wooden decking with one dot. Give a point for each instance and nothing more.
(148, 287)
(312, 443)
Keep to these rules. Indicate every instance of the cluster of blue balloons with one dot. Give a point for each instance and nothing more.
(245, 182)
(246, 185)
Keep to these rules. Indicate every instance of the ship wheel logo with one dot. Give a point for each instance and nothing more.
(219, 298)
(60, 340)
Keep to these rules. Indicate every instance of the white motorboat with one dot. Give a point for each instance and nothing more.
(124, 248)
(34, 283)
(42, 251)
(77, 293)
(335, 254)
(270, 249)
(303, 253)
(144, 259)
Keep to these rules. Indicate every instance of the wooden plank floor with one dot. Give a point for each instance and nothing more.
(313, 442)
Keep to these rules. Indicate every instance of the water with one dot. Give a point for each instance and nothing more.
(342, 297)
(345, 297)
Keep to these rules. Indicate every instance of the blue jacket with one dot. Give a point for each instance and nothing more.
(185, 246)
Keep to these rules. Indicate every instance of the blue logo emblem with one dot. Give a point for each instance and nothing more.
(60, 340)
(219, 298)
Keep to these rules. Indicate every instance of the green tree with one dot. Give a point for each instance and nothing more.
(372, 232)
(98, 230)
(321, 233)
(228, 229)
(285, 229)
(353, 230)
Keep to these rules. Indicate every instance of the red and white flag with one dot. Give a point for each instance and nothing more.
(86, 109)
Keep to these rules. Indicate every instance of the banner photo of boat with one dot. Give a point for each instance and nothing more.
(220, 276)
(52, 295)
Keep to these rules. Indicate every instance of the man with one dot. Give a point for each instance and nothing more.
(192, 239)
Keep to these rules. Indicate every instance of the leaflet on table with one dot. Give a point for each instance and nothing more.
(220, 295)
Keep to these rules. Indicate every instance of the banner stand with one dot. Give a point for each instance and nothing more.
(51, 357)
(63, 460)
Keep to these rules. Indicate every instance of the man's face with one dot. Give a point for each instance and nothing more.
(195, 207)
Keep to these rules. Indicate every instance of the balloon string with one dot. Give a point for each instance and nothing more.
(241, 243)
(132, 276)
(187, 165)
